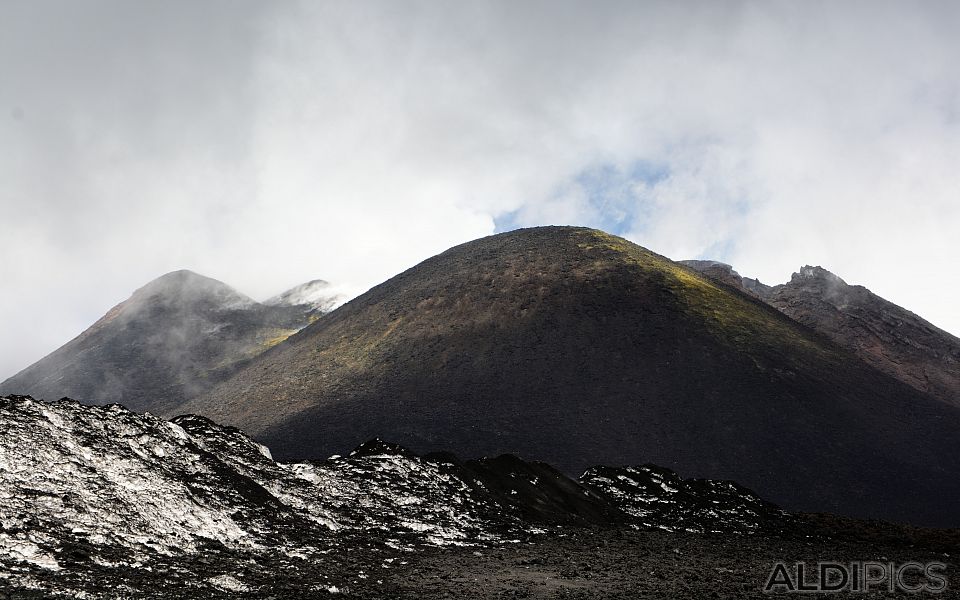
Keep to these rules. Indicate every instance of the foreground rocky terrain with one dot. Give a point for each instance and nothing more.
(626, 564)
(100, 502)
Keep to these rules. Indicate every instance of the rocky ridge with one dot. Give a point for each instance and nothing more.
(888, 337)
(101, 498)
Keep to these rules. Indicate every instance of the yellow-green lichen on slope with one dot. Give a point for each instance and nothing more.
(732, 317)
(276, 336)
(356, 353)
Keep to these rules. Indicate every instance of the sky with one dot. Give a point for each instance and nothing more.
(269, 143)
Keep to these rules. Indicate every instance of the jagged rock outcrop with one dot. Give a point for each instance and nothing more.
(717, 271)
(653, 495)
(886, 336)
(99, 501)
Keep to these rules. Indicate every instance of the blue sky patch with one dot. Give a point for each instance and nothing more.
(607, 195)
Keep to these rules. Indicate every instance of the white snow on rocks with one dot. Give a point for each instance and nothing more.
(110, 477)
(102, 486)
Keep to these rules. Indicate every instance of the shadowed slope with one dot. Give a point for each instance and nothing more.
(576, 347)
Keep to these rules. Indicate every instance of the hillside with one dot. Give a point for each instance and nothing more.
(171, 340)
(889, 337)
(576, 347)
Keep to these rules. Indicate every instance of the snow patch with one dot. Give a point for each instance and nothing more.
(228, 583)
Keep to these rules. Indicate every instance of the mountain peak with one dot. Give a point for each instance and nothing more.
(574, 346)
(317, 294)
(183, 274)
(188, 288)
(173, 338)
(808, 273)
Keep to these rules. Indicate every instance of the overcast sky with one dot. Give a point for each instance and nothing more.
(268, 143)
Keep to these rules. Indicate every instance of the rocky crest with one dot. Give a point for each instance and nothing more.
(886, 336)
(717, 271)
(891, 338)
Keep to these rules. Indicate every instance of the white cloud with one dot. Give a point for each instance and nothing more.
(268, 144)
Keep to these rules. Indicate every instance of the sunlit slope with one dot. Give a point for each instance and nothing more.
(577, 347)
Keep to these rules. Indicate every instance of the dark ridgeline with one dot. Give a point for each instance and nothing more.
(576, 347)
(889, 337)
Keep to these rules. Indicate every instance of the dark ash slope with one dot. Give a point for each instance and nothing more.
(576, 347)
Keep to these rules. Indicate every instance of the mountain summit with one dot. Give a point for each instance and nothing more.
(577, 347)
(317, 295)
(889, 337)
(186, 288)
(172, 339)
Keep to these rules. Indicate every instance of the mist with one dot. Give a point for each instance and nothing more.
(269, 144)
